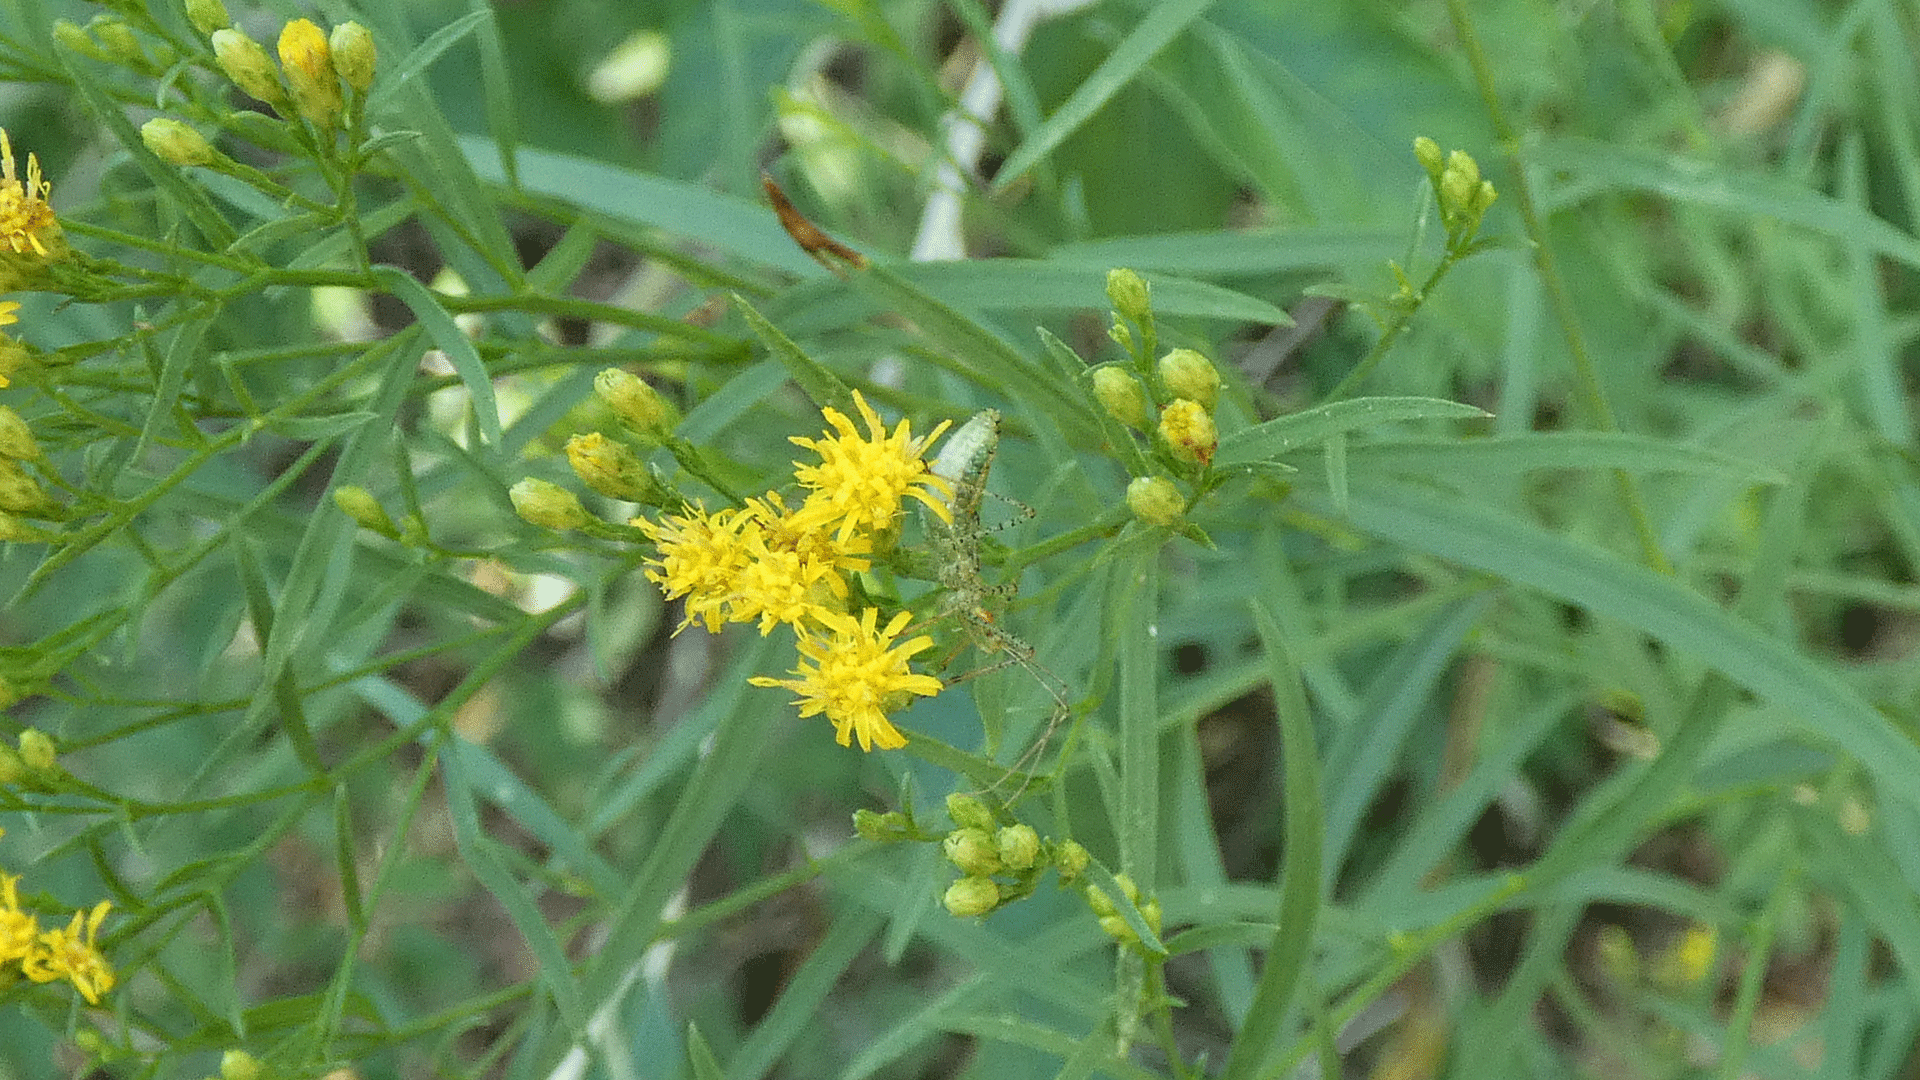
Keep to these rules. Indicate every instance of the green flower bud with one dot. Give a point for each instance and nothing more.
(1462, 163)
(239, 1065)
(890, 827)
(1189, 432)
(610, 468)
(12, 769)
(639, 406)
(549, 506)
(118, 39)
(360, 505)
(16, 438)
(1456, 195)
(248, 65)
(972, 850)
(1121, 395)
(1188, 374)
(1019, 847)
(1070, 859)
(1427, 153)
(971, 896)
(207, 15)
(1483, 198)
(354, 55)
(176, 143)
(36, 750)
(1120, 335)
(1156, 501)
(307, 62)
(15, 531)
(1129, 293)
(1099, 901)
(968, 812)
(73, 37)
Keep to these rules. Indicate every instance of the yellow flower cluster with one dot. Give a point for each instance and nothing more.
(29, 235)
(772, 564)
(68, 952)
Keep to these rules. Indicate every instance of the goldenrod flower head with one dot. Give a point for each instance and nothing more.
(701, 557)
(1188, 429)
(547, 505)
(860, 480)
(639, 406)
(1189, 374)
(354, 55)
(19, 931)
(1120, 394)
(609, 467)
(307, 62)
(793, 571)
(26, 220)
(855, 674)
(971, 896)
(1154, 500)
(69, 954)
(248, 65)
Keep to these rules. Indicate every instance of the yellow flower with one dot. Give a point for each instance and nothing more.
(307, 62)
(1189, 431)
(856, 675)
(793, 570)
(18, 930)
(701, 558)
(68, 954)
(10, 353)
(860, 481)
(26, 221)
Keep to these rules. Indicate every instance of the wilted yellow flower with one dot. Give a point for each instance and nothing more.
(860, 480)
(855, 674)
(26, 220)
(69, 954)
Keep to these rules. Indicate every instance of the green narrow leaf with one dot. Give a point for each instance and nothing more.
(700, 1056)
(820, 384)
(1300, 877)
(798, 1009)
(415, 63)
(476, 850)
(1164, 22)
(1278, 436)
(498, 87)
(447, 335)
(1133, 611)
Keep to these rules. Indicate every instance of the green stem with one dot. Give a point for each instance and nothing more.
(1593, 396)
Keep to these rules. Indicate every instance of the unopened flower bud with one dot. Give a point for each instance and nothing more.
(1456, 194)
(74, 37)
(609, 467)
(1129, 293)
(890, 827)
(971, 896)
(548, 505)
(239, 1065)
(176, 143)
(968, 812)
(359, 504)
(972, 850)
(1070, 859)
(1427, 153)
(1188, 374)
(16, 438)
(1019, 846)
(15, 531)
(354, 55)
(117, 38)
(1156, 501)
(207, 15)
(1462, 163)
(1099, 901)
(1188, 430)
(19, 492)
(639, 406)
(12, 769)
(36, 750)
(307, 63)
(1120, 335)
(248, 65)
(1121, 395)
(1483, 197)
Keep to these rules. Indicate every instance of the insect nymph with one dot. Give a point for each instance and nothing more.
(963, 463)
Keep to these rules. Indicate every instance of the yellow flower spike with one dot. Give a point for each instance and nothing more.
(307, 62)
(26, 220)
(856, 674)
(860, 481)
(69, 954)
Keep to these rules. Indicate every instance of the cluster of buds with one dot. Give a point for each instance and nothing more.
(999, 863)
(34, 764)
(1108, 912)
(1172, 399)
(318, 77)
(20, 493)
(1463, 196)
(607, 465)
(111, 39)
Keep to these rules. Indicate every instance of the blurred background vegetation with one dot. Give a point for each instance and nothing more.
(1589, 807)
